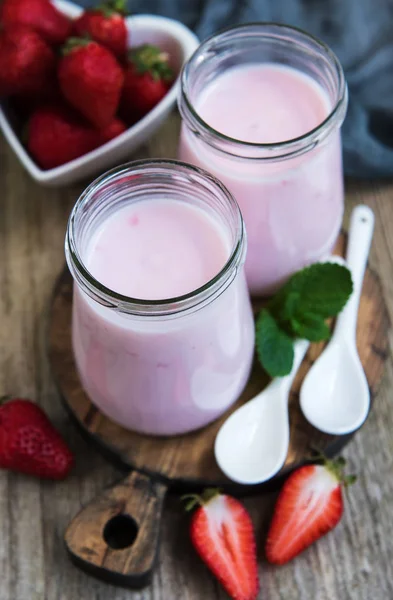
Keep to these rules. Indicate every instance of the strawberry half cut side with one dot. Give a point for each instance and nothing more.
(309, 505)
(223, 535)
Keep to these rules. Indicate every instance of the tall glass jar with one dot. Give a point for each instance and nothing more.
(165, 366)
(290, 193)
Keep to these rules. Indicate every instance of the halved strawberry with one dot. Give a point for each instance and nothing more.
(223, 535)
(309, 505)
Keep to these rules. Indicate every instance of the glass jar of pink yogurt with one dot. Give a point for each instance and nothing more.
(262, 106)
(163, 331)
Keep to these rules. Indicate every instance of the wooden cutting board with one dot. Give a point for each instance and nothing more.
(116, 536)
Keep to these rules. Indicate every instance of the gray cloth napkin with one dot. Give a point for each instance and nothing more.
(359, 31)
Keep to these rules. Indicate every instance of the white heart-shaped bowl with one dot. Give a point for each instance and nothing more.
(170, 35)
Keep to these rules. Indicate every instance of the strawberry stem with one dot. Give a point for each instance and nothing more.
(5, 398)
(336, 466)
(113, 7)
(151, 59)
(193, 500)
(75, 42)
(349, 480)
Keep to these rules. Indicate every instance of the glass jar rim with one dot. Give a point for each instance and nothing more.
(287, 146)
(166, 306)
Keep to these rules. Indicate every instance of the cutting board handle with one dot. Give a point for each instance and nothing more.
(116, 536)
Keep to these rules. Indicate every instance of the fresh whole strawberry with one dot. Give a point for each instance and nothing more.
(223, 535)
(105, 25)
(309, 505)
(148, 77)
(27, 63)
(30, 444)
(57, 135)
(91, 80)
(115, 128)
(40, 15)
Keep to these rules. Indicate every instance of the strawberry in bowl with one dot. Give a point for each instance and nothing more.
(76, 100)
(105, 25)
(148, 77)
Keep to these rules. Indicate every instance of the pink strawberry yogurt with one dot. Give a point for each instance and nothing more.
(270, 131)
(163, 330)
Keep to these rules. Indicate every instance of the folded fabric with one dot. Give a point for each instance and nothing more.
(361, 34)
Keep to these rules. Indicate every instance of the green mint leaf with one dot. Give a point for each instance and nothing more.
(274, 347)
(310, 327)
(326, 289)
(283, 306)
(322, 289)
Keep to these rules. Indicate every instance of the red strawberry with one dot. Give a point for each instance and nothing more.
(57, 135)
(40, 15)
(30, 444)
(309, 505)
(91, 80)
(27, 63)
(223, 535)
(105, 25)
(115, 128)
(147, 79)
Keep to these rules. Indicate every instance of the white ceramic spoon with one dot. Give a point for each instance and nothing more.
(335, 396)
(252, 444)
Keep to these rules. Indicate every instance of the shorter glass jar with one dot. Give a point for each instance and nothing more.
(167, 366)
(290, 193)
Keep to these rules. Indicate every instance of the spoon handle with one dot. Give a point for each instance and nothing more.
(300, 348)
(359, 241)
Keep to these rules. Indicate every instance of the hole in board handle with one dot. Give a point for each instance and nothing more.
(120, 532)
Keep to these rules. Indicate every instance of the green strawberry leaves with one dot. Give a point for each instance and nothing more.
(299, 310)
(148, 58)
(113, 7)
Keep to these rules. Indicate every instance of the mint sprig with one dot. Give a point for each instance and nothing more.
(274, 346)
(299, 310)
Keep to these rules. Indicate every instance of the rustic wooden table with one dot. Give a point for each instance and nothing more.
(353, 563)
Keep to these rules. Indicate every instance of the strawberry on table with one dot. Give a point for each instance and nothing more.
(309, 505)
(27, 63)
(223, 535)
(91, 80)
(56, 135)
(30, 444)
(39, 15)
(148, 78)
(106, 25)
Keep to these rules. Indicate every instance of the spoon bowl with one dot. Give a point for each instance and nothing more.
(253, 443)
(335, 397)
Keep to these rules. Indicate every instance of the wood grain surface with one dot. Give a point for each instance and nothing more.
(352, 563)
(115, 537)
